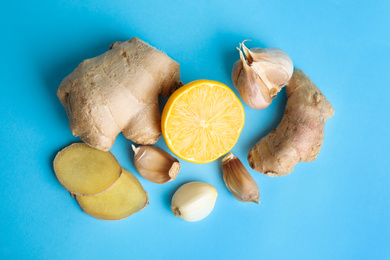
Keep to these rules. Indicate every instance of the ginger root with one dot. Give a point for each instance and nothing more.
(299, 135)
(118, 92)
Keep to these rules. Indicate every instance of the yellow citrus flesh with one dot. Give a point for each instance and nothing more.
(202, 121)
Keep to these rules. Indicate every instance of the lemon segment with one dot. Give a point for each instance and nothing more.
(202, 121)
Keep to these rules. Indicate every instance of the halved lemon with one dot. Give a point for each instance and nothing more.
(202, 121)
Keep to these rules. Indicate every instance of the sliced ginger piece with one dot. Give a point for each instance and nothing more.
(124, 199)
(86, 171)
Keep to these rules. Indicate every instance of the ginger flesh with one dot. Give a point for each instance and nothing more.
(86, 171)
(118, 92)
(124, 199)
(300, 134)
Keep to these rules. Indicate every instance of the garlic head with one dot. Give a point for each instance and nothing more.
(260, 74)
(194, 201)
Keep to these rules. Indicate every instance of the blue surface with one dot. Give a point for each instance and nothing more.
(336, 207)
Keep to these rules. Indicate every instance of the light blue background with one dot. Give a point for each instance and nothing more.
(334, 208)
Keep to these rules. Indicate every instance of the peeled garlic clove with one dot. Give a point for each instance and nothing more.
(238, 180)
(194, 201)
(154, 164)
(260, 74)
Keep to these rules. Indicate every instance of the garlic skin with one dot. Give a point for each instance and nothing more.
(238, 180)
(260, 74)
(154, 164)
(194, 201)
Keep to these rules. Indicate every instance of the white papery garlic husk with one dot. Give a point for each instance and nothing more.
(194, 201)
(154, 164)
(260, 74)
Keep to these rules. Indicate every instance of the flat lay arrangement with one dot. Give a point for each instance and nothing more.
(194, 129)
(202, 120)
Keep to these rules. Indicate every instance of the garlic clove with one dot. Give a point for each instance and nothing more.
(194, 201)
(237, 68)
(239, 181)
(154, 164)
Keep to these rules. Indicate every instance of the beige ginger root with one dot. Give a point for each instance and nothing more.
(299, 135)
(118, 92)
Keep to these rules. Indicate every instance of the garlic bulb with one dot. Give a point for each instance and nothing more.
(238, 180)
(260, 74)
(194, 201)
(154, 164)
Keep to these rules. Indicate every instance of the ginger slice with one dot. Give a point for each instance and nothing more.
(124, 199)
(86, 171)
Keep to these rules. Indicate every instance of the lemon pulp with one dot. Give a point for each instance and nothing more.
(202, 121)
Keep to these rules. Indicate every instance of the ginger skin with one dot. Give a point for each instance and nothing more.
(118, 92)
(300, 134)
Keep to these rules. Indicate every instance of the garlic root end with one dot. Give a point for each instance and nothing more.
(175, 168)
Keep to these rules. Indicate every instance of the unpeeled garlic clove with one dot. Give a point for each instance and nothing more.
(260, 74)
(154, 164)
(238, 180)
(194, 201)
